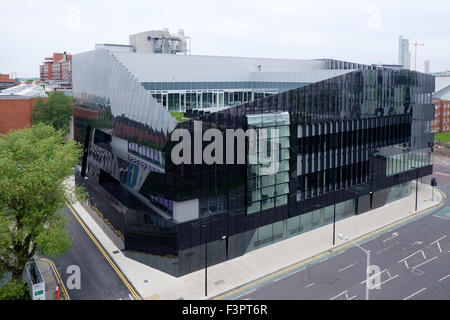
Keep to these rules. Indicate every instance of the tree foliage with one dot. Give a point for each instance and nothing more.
(34, 162)
(14, 290)
(56, 112)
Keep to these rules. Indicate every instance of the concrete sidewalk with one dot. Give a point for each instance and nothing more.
(153, 284)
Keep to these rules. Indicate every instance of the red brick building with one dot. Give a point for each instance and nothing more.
(16, 105)
(57, 68)
(441, 101)
(6, 82)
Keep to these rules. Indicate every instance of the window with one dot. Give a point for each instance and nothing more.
(213, 204)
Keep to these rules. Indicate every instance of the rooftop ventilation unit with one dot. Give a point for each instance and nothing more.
(159, 41)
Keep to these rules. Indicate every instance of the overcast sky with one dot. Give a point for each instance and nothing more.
(358, 31)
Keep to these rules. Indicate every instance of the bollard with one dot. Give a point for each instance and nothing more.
(58, 295)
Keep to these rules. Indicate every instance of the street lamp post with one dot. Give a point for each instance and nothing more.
(204, 226)
(343, 237)
(334, 223)
(417, 183)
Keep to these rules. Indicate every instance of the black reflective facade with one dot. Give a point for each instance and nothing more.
(355, 141)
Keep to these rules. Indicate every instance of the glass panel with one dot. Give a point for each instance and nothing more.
(340, 211)
(281, 201)
(283, 177)
(254, 121)
(267, 204)
(305, 222)
(254, 207)
(267, 181)
(328, 215)
(282, 189)
(317, 218)
(254, 196)
(203, 206)
(267, 193)
(265, 235)
(293, 226)
(269, 120)
(284, 155)
(279, 231)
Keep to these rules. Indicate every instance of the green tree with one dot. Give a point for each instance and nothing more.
(56, 112)
(14, 290)
(34, 165)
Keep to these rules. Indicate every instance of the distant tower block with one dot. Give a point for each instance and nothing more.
(427, 67)
(408, 61)
(403, 52)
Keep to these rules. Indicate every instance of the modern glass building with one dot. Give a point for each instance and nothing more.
(351, 139)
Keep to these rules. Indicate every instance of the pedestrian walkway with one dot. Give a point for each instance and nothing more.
(153, 284)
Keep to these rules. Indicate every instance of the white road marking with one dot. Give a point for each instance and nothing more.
(390, 278)
(378, 285)
(346, 267)
(323, 260)
(374, 275)
(444, 278)
(437, 242)
(244, 294)
(346, 295)
(309, 285)
(425, 262)
(131, 298)
(404, 259)
(340, 294)
(394, 235)
(423, 289)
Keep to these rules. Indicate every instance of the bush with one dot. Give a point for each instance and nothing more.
(442, 137)
(15, 290)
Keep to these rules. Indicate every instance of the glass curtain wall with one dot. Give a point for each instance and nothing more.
(265, 191)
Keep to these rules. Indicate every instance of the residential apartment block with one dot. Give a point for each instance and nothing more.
(441, 101)
(57, 69)
(6, 82)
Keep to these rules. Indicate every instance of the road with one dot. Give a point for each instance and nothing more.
(413, 261)
(99, 281)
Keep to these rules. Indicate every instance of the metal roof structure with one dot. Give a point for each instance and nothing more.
(443, 94)
(25, 90)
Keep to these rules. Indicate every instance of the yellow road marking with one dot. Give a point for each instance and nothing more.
(58, 277)
(342, 246)
(100, 248)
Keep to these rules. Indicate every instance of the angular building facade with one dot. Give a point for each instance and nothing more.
(351, 139)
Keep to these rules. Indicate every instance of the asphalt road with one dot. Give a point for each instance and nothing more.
(413, 261)
(99, 281)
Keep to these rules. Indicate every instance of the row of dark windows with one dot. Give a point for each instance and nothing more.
(376, 137)
(317, 183)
